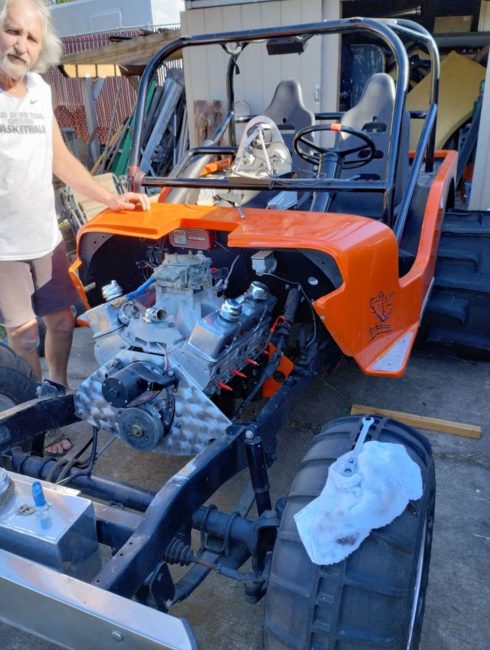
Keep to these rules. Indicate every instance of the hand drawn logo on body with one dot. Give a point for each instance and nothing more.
(381, 305)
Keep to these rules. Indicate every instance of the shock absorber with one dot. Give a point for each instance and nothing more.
(258, 470)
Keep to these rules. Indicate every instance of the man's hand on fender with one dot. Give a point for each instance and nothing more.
(129, 201)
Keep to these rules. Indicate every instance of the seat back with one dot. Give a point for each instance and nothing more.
(290, 114)
(374, 115)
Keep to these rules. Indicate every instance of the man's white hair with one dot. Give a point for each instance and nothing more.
(51, 47)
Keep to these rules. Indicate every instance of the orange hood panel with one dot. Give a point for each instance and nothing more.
(374, 315)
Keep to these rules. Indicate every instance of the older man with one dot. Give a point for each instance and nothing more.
(33, 266)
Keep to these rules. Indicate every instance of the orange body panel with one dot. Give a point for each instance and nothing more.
(374, 310)
(285, 368)
(73, 271)
(367, 316)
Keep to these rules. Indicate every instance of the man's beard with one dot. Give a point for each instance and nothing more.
(15, 71)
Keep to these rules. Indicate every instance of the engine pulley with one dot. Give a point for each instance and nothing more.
(141, 427)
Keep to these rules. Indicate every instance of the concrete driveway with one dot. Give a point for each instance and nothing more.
(456, 615)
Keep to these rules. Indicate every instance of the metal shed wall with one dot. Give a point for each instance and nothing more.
(316, 68)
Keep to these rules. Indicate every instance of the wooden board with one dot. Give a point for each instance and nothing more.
(421, 421)
(90, 207)
(133, 50)
(208, 116)
(459, 88)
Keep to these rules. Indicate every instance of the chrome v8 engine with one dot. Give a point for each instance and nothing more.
(165, 350)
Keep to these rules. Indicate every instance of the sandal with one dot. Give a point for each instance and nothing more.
(56, 445)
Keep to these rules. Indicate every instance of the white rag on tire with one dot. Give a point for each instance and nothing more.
(335, 524)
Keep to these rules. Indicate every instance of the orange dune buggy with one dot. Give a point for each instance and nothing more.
(264, 257)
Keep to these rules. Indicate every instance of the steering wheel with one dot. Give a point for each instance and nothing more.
(300, 142)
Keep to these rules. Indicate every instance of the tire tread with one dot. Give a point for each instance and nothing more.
(16, 377)
(321, 601)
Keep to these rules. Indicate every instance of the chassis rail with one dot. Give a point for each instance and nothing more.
(183, 494)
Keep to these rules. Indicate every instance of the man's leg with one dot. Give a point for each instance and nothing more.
(24, 340)
(16, 313)
(46, 282)
(52, 301)
(57, 345)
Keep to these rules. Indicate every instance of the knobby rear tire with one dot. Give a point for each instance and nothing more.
(17, 384)
(373, 599)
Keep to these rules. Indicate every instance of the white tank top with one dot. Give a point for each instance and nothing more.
(28, 223)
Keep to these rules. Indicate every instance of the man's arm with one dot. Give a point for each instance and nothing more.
(71, 171)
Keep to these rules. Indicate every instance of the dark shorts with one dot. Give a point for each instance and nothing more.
(33, 288)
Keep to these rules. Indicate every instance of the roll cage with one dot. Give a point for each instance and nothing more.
(389, 31)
